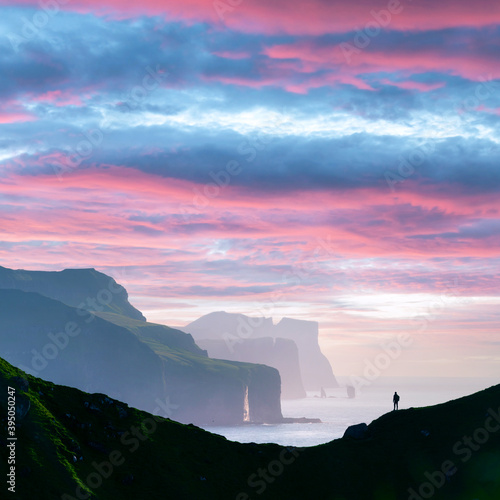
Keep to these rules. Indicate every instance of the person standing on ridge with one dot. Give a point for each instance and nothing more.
(395, 400)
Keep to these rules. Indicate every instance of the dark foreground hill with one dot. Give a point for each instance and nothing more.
(72, 445)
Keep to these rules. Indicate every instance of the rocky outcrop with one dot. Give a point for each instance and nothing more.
(85, 289)
(236, 330)
(278, 353)
(358, 431)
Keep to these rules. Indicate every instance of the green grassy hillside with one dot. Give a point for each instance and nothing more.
(156, 458)
(162, 339)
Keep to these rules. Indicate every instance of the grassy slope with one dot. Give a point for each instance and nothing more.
(175, 458)
(171, 463)
(158, 336)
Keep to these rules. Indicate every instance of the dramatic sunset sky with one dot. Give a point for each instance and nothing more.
(326, 160)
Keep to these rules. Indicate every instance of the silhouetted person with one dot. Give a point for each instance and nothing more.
(395, 400)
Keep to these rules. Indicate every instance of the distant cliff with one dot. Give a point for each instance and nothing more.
(279, 353)
(208, 390)
(316, 369)
(146, 365)
(235, 330)
(85, 289)
(51, 340)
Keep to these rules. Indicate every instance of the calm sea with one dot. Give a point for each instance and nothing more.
(337, 412)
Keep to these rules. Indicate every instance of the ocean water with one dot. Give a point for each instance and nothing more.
(337, 412)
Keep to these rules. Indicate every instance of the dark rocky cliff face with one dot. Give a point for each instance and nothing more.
(219, 399)
(264, 395)
(86, 289)
(278, 353)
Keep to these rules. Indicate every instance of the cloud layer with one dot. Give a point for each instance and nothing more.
(223, 155)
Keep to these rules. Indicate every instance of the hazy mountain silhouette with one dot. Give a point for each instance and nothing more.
(236, 333)
(138, 362)
(279, 353)
(94, 357)
(82, 288)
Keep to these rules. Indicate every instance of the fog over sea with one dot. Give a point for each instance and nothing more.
(337, 412)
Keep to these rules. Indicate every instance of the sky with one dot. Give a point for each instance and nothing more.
(323, 160)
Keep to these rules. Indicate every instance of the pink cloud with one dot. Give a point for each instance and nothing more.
(485, 109)
(58, 98)
(314, 17)
(241, 248)
(6, 117)
(342, 66)
(186, 215)
(242, 81)
(412, 85)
